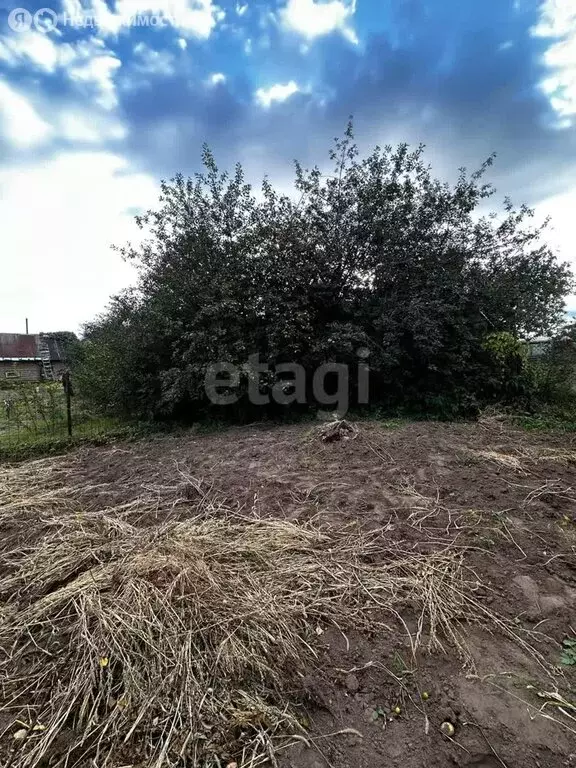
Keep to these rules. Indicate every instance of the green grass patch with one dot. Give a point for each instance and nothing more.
(546, 421)
(17, 446)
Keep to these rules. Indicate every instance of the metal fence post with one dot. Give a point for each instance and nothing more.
(67, 384)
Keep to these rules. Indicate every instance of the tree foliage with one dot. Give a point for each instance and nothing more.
(554, 373)
(377, 254)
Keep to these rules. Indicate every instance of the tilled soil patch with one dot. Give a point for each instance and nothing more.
(500, 499)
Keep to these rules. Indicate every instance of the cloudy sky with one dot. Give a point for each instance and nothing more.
(99, 99)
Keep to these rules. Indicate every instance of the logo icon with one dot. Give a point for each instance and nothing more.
(19, 20)
(45, 20)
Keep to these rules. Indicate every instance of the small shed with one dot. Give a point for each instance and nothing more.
(30, 357)
(538, 345)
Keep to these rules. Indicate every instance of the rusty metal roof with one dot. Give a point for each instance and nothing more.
(56, 350)
(25, 346)
(18, 345)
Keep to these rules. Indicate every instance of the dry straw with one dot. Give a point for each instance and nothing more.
(185, 642)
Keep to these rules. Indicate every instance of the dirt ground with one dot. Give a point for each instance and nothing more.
(504, 498)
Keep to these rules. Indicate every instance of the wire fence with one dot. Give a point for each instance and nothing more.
(42, 416)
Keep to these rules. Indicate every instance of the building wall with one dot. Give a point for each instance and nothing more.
(20, 371)
(538, 348)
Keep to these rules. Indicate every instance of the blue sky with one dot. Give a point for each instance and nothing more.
(99, 99)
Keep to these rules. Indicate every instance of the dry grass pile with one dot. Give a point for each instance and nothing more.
(183, 643)
(565, 457)
(31, 488)
(520, 459)
(514, 460)
(126, 641)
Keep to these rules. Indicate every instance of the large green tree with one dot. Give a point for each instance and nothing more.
(378, 254)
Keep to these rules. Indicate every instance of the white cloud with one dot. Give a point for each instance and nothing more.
(313, 19)
(154, 62)
(58, 220)
(93, 65)
(216, 78)
(28, 123)
(195, 17)
(557, 18)
(87, 62)
(29, 47)
(89, 127)
(560, 235)
(21, 123)
(266, 96)
(558, 22)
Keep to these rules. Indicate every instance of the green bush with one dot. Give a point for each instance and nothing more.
(378, 254)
